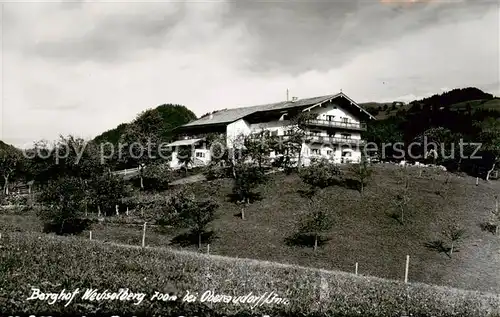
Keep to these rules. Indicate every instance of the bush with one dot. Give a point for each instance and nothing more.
(156, 177)
(13, 199)
(217, 172)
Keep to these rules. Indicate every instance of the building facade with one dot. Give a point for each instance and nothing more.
(333, 130)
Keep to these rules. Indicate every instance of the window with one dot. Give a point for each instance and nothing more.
(315, 151)
(331, 134)
(274, 133)
(346, 136)
(329, 152)
(345, 120)
(316, 133)
(330, 118)
(200, 154)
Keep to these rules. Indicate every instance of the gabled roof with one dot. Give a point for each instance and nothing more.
(227, 116)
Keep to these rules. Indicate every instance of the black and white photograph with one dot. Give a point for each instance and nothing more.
(254, 158)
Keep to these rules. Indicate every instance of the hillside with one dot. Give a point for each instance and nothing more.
(4, 145)
(460, 99)
(364, 230)
(172, 115)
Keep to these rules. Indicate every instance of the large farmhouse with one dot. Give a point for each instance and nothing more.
(334, 132)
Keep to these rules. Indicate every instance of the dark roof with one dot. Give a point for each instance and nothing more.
(227, 116)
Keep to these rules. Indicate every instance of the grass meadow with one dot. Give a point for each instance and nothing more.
(317, 283)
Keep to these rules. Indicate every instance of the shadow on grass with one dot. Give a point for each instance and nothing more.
(68, 227)
(395, 216)
(191, 238)
(306, 193)
(488, 227)
(235, 198)
(352, 184)
(439, 247)
(304, 240)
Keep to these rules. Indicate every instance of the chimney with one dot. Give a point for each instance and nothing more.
(210, 117)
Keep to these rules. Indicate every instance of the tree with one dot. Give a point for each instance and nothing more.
(382, 133)
(259, 146)
(140, 142)
(402, 200)
(362, 173)
(156, 176)
(69, 156)
(106, 191)
(10, 162)
(290, 145)
(248, 177)
(490, 138)
(454, 233)
(65, 198)
(445, 140)
(317, 221)
(320, 174)
(185, 211)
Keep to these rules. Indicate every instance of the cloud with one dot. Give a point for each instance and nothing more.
(101, 32)
(295, 37)
(83, 68)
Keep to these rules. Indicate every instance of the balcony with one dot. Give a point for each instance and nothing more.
(333, 140)
(337, 124)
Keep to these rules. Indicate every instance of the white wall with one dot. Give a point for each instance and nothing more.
(235, 129)
(333, 109)
(279, 126)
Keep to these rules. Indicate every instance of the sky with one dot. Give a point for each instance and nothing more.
(82, 68)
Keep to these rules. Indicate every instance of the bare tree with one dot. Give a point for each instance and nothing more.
(403, 199)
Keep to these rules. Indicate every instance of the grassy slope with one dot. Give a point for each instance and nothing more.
(53, 263)
(363, 233)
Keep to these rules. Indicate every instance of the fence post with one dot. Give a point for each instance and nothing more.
(406, 270)
(116, 209)
(477, 181)
(208, 248)
(126, 211)
(90, 235)
(144, 236)
(356, 269)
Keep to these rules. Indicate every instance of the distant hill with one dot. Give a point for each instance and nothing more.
(173, 116)
(4, 145)
(460, 99)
